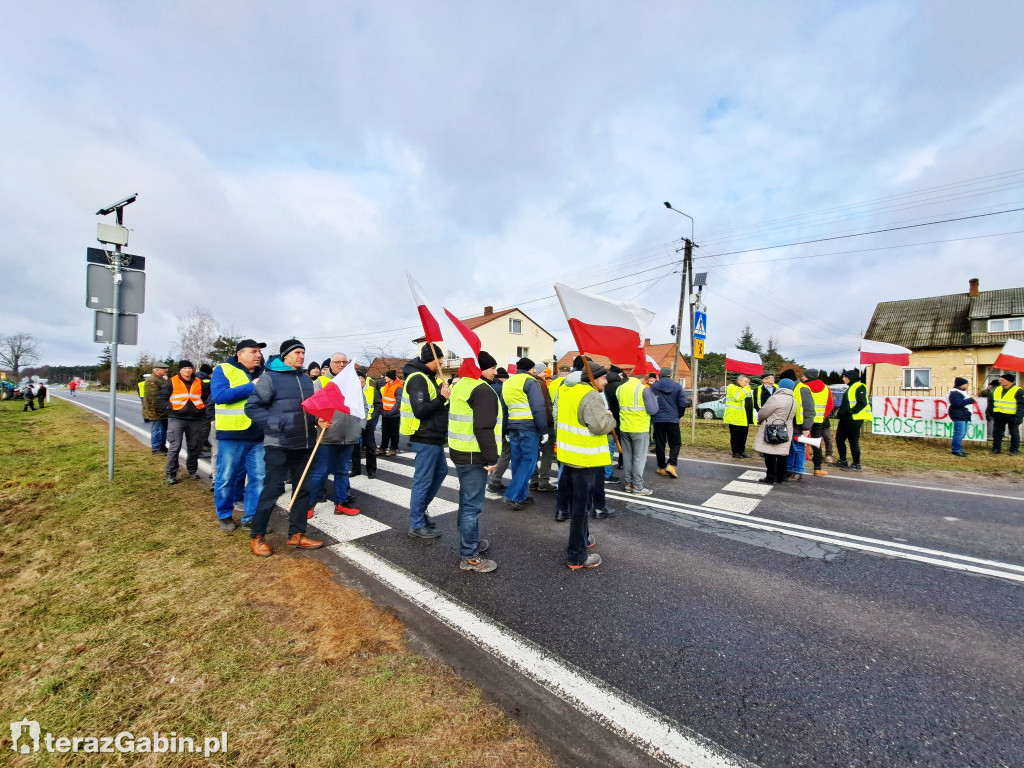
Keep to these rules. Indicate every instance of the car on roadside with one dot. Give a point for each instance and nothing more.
(714, 409)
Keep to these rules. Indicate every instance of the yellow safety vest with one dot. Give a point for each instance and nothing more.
(230, 417)
(851, 393)
(633, 416)
(553, 386)
(800, 402)
(460, 418)
(1005, 400)
(142, 389)
(736, 405)
(576, 445)
(820, 403)
(323, 380)
(516, 401)
(368, 395)
(409, 423)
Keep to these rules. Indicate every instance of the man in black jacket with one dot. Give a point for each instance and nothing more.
(424, 418)
(289, 434)
(185, 398)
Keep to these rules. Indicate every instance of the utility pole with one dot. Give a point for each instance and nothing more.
(684, 292)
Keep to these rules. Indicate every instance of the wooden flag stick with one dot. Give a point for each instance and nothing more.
(295, 490)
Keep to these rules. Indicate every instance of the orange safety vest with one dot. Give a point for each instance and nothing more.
(180, 396)
(387, 394)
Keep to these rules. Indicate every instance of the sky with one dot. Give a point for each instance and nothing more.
(293, 161)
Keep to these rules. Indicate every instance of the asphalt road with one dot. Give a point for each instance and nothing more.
(832, 623)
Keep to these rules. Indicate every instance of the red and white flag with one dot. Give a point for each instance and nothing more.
(1012, 357)
(513, 369)
(606, 327)
(441, 326)
(742, 361)
(883, 352)
(342, 393)
(650, 366)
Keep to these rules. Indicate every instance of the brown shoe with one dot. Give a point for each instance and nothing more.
(303, 541)
(671, 471)
(820, 473)
(663, 472)
(392, 453)
(259, 547)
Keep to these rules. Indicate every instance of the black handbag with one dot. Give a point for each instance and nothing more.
(777, 432)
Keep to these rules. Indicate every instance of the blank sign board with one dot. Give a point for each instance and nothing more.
(127, 329)
(99, 289)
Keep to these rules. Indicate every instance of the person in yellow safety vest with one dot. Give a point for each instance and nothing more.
(142, 388)
(636, 406)
(373, 405)
(739, 414)
(474, 437)
(764, 390)
(803, 421)
(527, 429)
(424, 412)
(582, 425)
(823, 405)
(240, 466)
(1007, 413)
(853, 411)
(184, 397)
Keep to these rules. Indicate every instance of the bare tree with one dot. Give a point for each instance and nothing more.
(197, 333)
(389, 348)
(16, 350)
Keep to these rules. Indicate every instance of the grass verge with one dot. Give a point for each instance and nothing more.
(125, 609)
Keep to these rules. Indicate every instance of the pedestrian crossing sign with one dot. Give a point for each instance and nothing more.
(698, 349)
(700, 325)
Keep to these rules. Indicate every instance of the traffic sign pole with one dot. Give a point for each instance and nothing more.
(113, 353)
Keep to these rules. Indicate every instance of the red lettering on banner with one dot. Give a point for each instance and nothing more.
(892, 406)
(979, 413)
(941, 409)
(915, 407)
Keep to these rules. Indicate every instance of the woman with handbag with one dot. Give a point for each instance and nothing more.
(775, 432)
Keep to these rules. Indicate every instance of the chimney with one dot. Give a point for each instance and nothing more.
(488, 311)
(974, 287)
(647, 342)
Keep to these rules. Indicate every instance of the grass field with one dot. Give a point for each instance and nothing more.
(125, 609)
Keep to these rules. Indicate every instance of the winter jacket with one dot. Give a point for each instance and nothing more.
(958, 402)
(496, 386)
(188, 412)
(780, 407)
(847, 409)
(486, 404)
(672, 403)
(614, 382)
(222, 393)
(817, 385)
(275, 405)
(345, 428)
(152, 410)
(432, 412)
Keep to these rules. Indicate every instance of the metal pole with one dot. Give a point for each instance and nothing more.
(693, 405)
(113, 353)
(679, 322)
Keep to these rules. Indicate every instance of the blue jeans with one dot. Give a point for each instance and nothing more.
(797, 457)
(330, 460)
(611, 448)
(158, 434)
(430, 471)
(959, 431)
(237, 459)
(472, 483)
(525, 446)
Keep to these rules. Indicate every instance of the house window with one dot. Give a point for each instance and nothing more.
(522, 351)
(1006, 324)
(917, 378)
(515, 326)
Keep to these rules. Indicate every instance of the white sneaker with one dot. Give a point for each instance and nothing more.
(642, 492)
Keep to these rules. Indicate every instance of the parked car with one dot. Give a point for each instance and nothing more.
(712, 410)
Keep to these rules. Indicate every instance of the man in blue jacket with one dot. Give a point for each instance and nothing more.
(289, 434)
(959, 414)
(671, 408)
(239, 440)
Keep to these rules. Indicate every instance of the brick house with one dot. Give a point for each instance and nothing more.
(662, 354)
(956, 335)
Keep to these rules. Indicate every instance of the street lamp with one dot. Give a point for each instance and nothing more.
(684, 293)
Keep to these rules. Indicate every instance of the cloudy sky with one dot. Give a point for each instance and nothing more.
(292, 161)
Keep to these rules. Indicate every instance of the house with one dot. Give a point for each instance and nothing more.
(507, 335)
(956, 335)
(661, 353)
(379, 365)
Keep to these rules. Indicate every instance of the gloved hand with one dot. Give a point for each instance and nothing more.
(544, 438)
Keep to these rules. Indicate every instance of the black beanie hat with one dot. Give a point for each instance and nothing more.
(853, 374)
(1008, 376)
(392, 374)
(502, 373)
(290, 345)
(486, 360)
(185, 364)
(426, 355)
(959, 381)
(788, 374)
(525, 365)
(205, 368)
(596, 372)
(577, 363)
(325, 364)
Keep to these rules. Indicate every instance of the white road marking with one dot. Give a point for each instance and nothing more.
(637, 723)
(741, 504)
(344, 527)
(396, 494)
(752, 474)
(756, 489)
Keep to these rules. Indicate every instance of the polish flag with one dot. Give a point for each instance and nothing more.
(882, 352)
(650, 365)
(441, 326)
(342, 393)
(606, 327)
(742, 361)
(1012, 356)
(512, 369)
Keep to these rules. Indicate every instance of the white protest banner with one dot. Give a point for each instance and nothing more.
(924, 417)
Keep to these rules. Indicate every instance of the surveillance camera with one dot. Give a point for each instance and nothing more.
(119, 204)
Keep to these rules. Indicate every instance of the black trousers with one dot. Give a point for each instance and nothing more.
(189, 431)
(580, 486)
(1008, 422)
(738, 438)
(667, 433)
(775, 466)
(281, 465)
(848, 430)
(389, 433)
(369, 449)
(816, 453)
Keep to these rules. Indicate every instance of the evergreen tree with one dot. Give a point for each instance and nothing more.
(773, 359)
(749, 341)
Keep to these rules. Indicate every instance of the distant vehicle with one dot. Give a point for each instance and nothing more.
(712, 410)
(837, 389)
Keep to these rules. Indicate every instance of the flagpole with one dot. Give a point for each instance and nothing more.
(295, 490)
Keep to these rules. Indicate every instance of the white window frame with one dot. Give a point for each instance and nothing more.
(522, 352)
(911, 370)
(512, 321)
(1006, 322)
